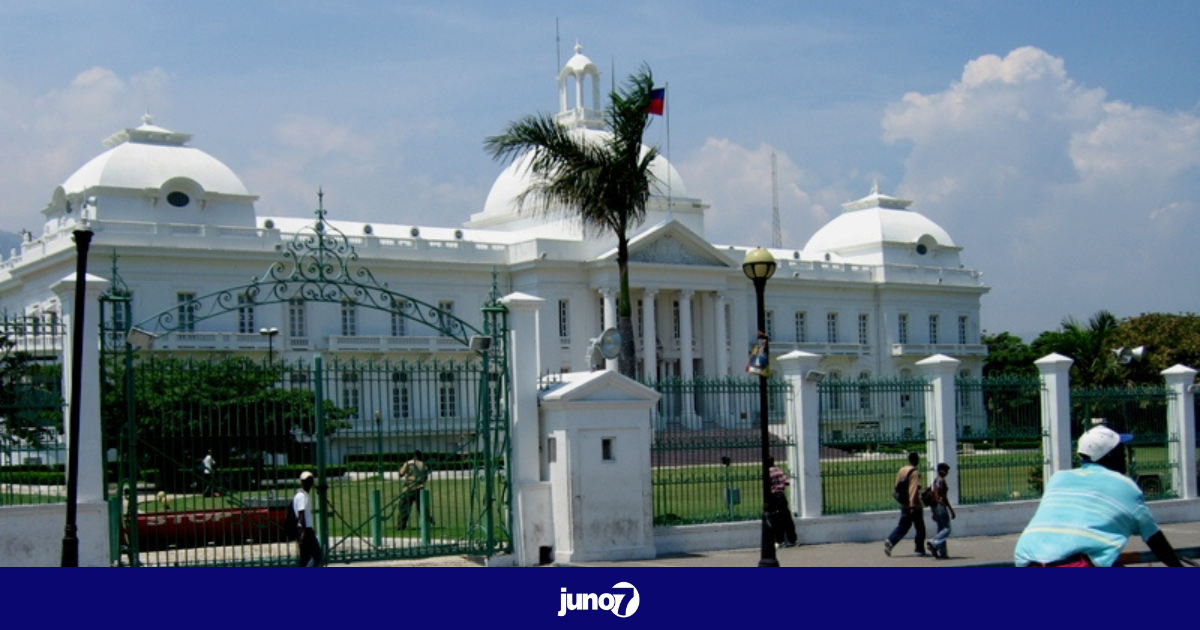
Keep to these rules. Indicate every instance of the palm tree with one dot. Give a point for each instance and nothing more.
(602, 179)
(1089, 346)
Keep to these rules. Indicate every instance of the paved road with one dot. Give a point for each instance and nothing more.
(974, 551)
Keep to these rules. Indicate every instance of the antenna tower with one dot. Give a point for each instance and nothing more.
(776, 231)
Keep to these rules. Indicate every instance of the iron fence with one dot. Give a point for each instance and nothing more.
(707, 452)
(259, 421)
(1142, 412)
(866, 429)
(32, 445)
(999, 434)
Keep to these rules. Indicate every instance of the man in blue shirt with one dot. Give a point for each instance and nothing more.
(1087, 514)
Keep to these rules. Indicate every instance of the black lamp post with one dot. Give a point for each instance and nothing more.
(269, 333)
(70, 544)
(759, 266)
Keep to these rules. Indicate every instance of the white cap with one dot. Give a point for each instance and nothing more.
(1099, 440)
(305, 475)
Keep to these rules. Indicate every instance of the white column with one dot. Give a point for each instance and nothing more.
(610, 321)
(649, 336)
(90, 443)
(531, 505)
(722, 357)
(1055, 370)
(941, 418)
(803, 414)
(686, 359)
(1181, 420)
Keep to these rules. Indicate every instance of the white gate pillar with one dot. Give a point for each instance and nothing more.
(803, 416)
(1181, 420)
(532, 525)
(943, 425)
(1055, 370)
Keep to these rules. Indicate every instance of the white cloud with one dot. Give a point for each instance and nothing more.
(736, 182)
(1059, 195)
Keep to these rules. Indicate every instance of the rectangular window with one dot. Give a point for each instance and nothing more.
(640, 329)
(769, 318)
(552, 450)
(297, 321)
(933, 329)
(401, 403)
(902, 328)
(606, 449)
(446, 315)
(801, 327)
(675, 319)
(186, 311)
(564, 320)
(447, 396)
(864, 330)
(350, 393)
(831, 327)
(245, 314)
(962, 329)
(121, 320)
(349, 319)
(397, 324)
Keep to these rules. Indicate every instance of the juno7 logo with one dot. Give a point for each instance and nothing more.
(623, 603)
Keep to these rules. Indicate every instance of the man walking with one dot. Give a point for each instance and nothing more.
(908, 494)
(782, 526)
(942, 512)
(306, 520)
(413, 473)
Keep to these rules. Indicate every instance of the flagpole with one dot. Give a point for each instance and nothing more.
(667, 120)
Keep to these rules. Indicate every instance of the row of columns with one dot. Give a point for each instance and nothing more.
(649, 348)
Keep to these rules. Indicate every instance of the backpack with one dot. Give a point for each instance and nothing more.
(928, 497)
(900, 494)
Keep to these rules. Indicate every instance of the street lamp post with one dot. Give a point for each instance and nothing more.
(759, 266)
(70, 543)
(269, 333)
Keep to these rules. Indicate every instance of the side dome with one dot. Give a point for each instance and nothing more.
(150, 157)
(880, 229)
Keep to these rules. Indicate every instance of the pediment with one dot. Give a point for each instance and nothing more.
(671, 243)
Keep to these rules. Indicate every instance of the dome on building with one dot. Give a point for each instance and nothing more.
(877, 220)
(577, 114)
(147, 158)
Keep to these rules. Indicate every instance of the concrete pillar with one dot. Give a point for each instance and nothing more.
(1055, 370)
(1181, 421)
(803, 413)
(722, 362)
(649, 336)
(531, 496)
(941, 416)
(91, 445)
(610, 321)
(687, 370)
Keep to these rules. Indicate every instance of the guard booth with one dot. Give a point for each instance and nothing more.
(596, 447)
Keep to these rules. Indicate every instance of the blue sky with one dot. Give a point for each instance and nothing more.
(1057, 142)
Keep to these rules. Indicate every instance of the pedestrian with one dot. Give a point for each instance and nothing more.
(209, 468)
(779, 513)
(942, 512)
(306, 520)
(1087, 514)
(908, 494)
(413, 473)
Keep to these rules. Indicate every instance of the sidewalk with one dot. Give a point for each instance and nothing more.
(976, 551)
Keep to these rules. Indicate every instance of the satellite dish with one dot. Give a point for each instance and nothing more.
(606, 346)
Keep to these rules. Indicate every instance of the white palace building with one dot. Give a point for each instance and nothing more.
(877, 289)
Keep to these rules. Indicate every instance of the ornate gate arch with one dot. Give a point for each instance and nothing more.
(265, 421)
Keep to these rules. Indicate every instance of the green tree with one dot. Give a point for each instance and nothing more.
(1008, 355)
(1089, 346)
(31, 404)
(184, 408)
(1168, 339)
(603, 180)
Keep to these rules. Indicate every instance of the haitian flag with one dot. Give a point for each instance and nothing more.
(658, 98)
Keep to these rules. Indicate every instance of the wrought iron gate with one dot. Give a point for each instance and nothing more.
(210, 451)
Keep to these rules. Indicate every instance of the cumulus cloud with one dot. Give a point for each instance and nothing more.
(736, 182)
(59, 130)
(1059, 194)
